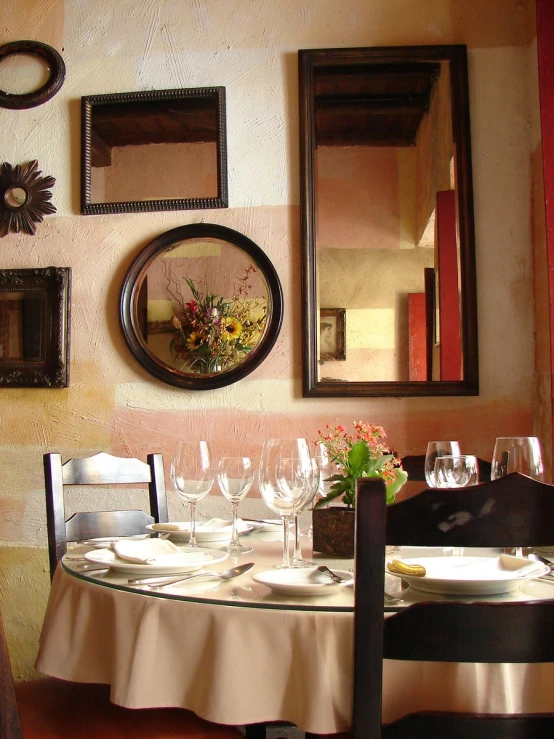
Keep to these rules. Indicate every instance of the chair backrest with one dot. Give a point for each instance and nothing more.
(446, 631)
(100, 469)
(10, 726)
(511, 511)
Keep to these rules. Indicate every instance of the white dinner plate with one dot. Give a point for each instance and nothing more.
(472, 575)
(183, 562)
(301, 581)
(205, 532)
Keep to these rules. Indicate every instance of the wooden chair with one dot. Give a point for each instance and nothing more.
(514, 510)
(51, 708)
(100, 469)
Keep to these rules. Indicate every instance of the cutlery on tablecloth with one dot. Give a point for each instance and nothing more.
(161, 582)
(537, 557)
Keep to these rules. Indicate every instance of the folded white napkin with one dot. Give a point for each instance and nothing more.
(155, 551)
(520, 565)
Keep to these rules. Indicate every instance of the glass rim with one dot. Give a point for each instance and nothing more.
(517, 437)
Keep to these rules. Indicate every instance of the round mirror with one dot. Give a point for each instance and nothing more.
(15, 197)
(201, 306)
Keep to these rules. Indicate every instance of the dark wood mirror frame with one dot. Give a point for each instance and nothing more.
(42, 355)
(131, 296)
(54, 63)
(202, 98)
(312, 61)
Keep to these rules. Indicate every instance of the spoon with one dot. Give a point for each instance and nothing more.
(538, 558)
(161, 582)
(334, 577)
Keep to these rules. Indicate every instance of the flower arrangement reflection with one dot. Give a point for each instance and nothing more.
(364, 453)
(213, 333)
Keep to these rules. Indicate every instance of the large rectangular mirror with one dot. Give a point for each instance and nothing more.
(155, 150)
(34, 327)
(387, 222)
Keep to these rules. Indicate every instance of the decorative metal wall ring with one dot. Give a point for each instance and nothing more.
(53, 62)
(24, 197)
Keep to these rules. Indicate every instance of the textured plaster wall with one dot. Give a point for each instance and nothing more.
(250, 47)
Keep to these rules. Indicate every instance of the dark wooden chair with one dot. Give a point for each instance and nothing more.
(51, 708)
(100, 469)
(510, 511)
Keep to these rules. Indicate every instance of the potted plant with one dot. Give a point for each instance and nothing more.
(364, 453)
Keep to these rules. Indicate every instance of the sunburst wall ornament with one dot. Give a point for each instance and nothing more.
(24, 197)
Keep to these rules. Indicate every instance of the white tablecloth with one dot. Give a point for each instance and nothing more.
(235, 664)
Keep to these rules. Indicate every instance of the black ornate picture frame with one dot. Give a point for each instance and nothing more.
(34, 327)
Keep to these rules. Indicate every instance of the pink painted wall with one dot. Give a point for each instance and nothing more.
(250, 47)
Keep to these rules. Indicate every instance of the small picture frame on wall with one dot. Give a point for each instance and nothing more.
(34, 327)
(332, 334)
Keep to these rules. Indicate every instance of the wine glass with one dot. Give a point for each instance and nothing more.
(455, 471)
(280, 499)
(327, 469)
(438, 449)
(192, 477)
(235, 476)
(311, 480)
(517, 454)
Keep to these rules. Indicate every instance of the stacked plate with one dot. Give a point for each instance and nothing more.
(216, 529)
(153, 556)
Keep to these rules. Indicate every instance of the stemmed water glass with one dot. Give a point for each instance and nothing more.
(517, 454)
(309, 478)
(192, 477)
(438, 449)
(282, 499)
(455, 471)
(235, 476)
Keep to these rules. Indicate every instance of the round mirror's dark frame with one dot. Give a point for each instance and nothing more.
(52, 60)
(131, 287)
(310, 61)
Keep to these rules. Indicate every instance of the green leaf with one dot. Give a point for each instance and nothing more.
(358, 458)
(327, 499)
(394, 487)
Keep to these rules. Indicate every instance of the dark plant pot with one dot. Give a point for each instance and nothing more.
(333, 531)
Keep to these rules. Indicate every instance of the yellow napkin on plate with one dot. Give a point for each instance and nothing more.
(155, 551)
(170, 527)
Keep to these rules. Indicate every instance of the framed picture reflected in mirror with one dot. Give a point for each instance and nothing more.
(332, 334)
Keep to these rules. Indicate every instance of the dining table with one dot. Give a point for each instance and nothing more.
(242, 652)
